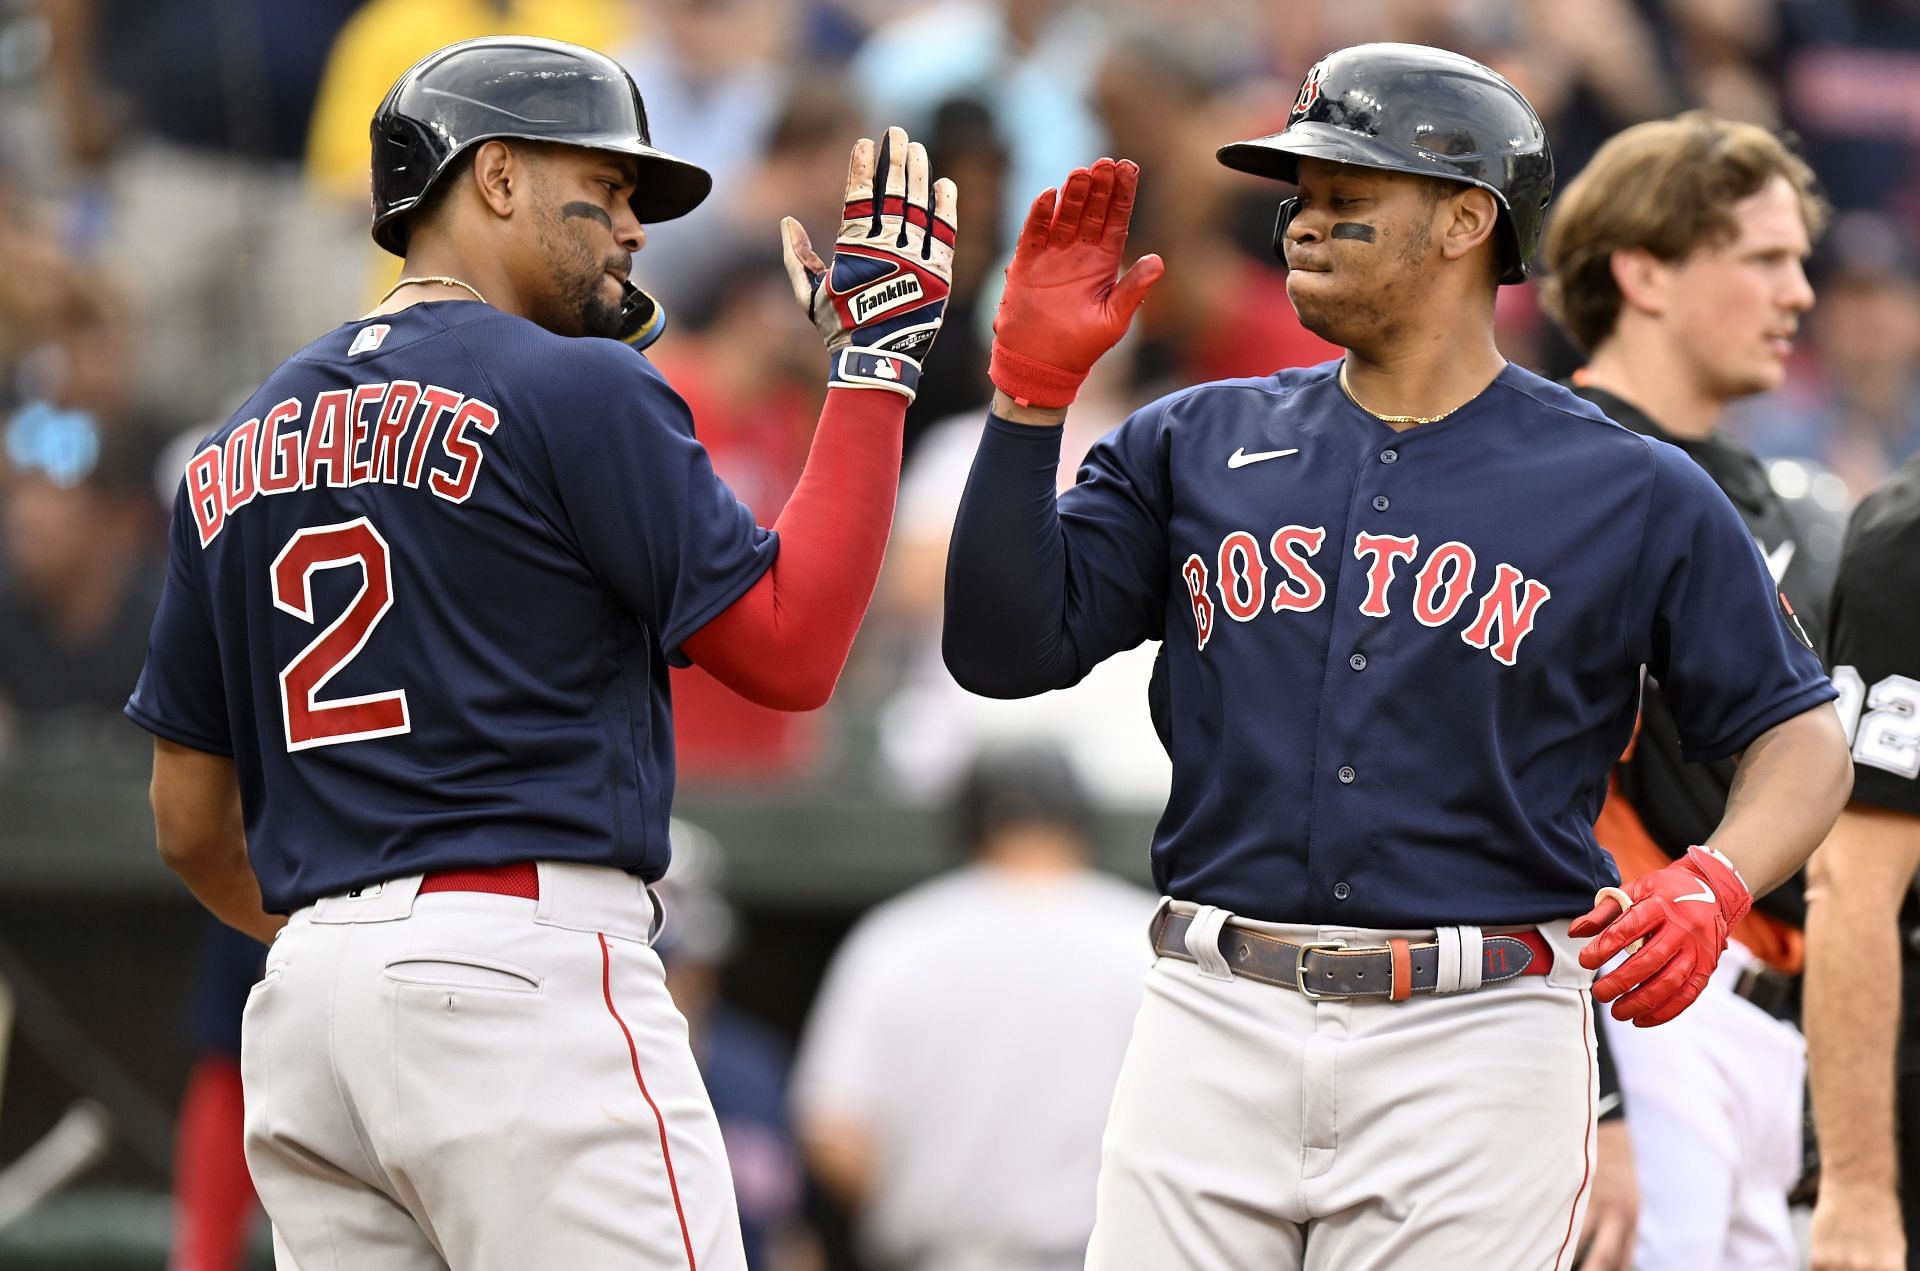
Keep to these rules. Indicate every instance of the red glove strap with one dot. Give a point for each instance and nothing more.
(1728, 888)
(1030, 382)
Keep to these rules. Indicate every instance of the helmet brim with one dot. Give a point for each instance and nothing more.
(1277, 156)
(667, 186)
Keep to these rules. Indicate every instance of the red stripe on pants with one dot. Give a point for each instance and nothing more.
(666, 1154)
(1587, 1022)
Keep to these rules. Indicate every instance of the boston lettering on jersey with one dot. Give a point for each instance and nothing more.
(1397, 665)
(370, 433)
(1507, 610)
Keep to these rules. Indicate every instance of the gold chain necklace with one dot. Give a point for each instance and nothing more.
(442, 279)
(1388, 419)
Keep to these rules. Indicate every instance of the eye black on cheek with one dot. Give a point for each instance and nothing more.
(586, 211)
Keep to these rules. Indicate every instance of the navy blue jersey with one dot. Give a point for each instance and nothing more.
(1398, 665)
(424, 589)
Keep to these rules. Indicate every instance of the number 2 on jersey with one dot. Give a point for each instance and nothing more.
(1888, 736)
(309, 721)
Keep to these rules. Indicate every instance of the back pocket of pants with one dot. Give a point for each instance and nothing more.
(450, 970)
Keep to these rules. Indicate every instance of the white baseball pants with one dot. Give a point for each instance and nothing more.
(1714, 1101)
(1257, 1129)
(472, 1081)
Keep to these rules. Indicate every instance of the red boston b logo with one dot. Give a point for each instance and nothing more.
(1309, 90)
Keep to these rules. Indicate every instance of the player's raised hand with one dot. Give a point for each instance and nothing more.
(1681, 916)
(879, 303)
(1066, 301)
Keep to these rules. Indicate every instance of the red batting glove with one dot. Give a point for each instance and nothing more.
(1683, 913)
(1063, 306)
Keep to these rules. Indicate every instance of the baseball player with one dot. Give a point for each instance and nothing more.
(1684, 303)
(1406, 599)
(411, 663)
(1863, 977)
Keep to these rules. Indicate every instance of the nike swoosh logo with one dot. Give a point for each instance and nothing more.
(1778, 559)
(1704, 894)
(1240, 458)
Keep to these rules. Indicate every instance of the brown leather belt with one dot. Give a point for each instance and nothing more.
(1328, 968)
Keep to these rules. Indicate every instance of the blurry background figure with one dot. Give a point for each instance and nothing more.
(743, 1063)
(1817, 501)
(750, 374)
(966, 143)
(78, 584)
(1685, 305)
(797, 150)
(716, 76)
(955, 1074)
(184, 123)
(1854, 405)
(930, 728)
(1030, 60)
(215, 1207)
(1223, 312)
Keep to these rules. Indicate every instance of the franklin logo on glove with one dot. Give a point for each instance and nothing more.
(880, 301)
(875, 301)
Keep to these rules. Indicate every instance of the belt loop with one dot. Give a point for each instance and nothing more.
(1203, 942)
(1158, 923)
(1400, 983)
(1460, 959)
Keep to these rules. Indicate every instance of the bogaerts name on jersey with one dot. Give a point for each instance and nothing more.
(373, 432)
(1441, 586)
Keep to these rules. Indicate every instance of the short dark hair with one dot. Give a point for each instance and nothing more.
(430, 204)
(1667, 187)
(1019, 782)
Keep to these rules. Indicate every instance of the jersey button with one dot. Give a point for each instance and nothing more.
(1380, 503)
(1358, 661)
(1341, 891)
(1346, 776)
(1389, 456)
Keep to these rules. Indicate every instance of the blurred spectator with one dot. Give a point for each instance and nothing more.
(1222, 310)
(1850, 79)
(78, 586)
(184, 120)
(965, 145)
(1855, 407)
(714, 74)
(956, 1071)
(799, 173)
(44, 293)
(749, 369)
(743, 1063)
(931, 727)
(1031, 60)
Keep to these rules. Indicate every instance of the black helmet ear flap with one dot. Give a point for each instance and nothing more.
(1288, 209)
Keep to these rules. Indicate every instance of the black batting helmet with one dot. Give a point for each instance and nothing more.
(521, 88)
(1410, 108)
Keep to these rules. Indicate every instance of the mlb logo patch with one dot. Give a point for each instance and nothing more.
(369, 339)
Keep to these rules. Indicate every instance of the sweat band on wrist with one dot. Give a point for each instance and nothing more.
(1030, 382)
(873, 368)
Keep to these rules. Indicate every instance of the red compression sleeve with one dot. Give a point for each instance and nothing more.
(784, 642)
